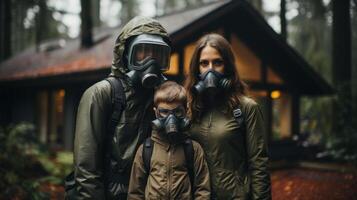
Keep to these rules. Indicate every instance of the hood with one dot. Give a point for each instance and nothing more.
(136, 26)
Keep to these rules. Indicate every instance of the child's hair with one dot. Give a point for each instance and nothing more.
(169, 92)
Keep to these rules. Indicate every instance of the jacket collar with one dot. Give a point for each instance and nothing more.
(165, 141)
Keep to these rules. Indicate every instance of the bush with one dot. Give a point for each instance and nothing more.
(26, 163)
(341, 144)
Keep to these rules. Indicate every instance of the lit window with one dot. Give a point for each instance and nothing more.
(275, 94)
(174, 67)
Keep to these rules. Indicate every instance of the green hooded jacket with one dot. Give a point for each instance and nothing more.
(100, 174)
(236, 153)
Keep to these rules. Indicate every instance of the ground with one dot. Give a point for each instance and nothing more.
(293, 184)
(306, 184)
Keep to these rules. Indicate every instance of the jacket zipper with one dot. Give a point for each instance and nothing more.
(210, 120)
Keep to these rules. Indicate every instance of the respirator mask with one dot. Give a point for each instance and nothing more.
(171, 122)
(212, 80)
(148, 57)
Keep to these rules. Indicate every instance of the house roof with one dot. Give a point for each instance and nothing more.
(184, 27)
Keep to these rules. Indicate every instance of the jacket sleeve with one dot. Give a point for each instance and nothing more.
(257, 152)
(202, 188)
(89, 138)
(138, 177)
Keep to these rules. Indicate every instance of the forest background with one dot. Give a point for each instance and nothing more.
(324, 32)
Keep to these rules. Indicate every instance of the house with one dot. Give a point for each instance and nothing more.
(44, 86)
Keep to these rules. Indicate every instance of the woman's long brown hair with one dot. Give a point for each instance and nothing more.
(238, 87)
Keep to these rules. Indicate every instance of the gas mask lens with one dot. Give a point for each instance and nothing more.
(144, 52)
(148, 56)
(178, 112)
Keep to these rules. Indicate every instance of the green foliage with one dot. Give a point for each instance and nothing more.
(26, 163)
(310, 32)
(342, 147)
(19, 145)
(58, 167)
(341, 143)
(316, 118)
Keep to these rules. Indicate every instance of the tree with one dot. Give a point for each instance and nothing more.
(283, 18)
(25, 23)
(168, 6)
(341, 144)
(86, 24)
(341, 52)
(42, 23)
(354, 55)
(128, 10)
(96, 12)
(310, 34)
(5, 27)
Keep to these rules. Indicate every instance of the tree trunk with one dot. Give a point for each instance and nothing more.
(128, 10)
(21, 27)
(17, 23)
(86, 24)
(5, 27)
(354, 60)
(42, 26)
(96, 12)
(341, 54)
(283, 19)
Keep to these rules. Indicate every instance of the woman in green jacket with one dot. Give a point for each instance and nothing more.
(228, 125)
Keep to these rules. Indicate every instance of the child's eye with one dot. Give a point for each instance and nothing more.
(163, 112)
(179, 113)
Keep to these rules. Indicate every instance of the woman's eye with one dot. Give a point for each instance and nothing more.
(204, 63)
(218, 63)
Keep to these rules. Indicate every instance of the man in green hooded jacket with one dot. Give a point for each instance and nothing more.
(141, 53)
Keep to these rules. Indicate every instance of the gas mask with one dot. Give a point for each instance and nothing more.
(171, 122)
(212, 80)
(148, 57)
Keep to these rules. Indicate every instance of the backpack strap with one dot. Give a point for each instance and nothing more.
(118, 102)
(147, 154)
(118, 105)
(189, 157)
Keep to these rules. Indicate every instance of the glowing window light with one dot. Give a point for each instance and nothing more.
(275, 94)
